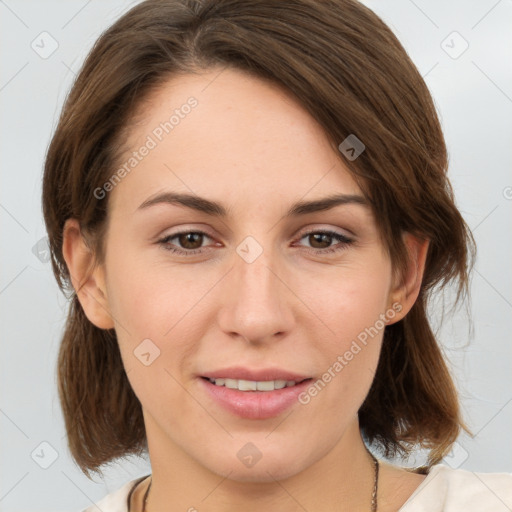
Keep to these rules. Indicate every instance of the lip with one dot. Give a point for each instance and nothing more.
(254, 405)
(242, 373)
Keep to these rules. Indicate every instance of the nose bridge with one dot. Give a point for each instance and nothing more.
(255, 280)
(257, 305)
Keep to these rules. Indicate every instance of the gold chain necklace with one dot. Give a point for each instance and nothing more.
(374, 492)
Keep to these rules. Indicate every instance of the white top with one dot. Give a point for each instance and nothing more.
(443, 490)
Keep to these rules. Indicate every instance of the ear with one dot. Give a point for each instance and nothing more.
(87, 278)
(405, 292)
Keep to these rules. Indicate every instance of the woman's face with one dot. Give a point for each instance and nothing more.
(247, 290)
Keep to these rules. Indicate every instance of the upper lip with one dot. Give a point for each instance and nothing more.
(241, 373)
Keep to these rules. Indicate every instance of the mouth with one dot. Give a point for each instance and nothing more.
(253, 385)
(253, 400)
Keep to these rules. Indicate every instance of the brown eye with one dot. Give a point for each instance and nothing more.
(187, 242)
(190, 240)
(320, 241)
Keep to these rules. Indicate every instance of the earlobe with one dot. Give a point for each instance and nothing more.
(87, 279)
(407, 290)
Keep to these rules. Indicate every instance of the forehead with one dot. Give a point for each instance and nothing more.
(228, 135)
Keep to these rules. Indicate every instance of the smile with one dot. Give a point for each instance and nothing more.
(253, 385)
(254, 399)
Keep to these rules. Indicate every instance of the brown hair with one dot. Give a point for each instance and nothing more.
(346, 67)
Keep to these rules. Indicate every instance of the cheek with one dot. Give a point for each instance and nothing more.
(154, 332)
(153, 303)
(143, 298)
(352, 299)
(352, 306)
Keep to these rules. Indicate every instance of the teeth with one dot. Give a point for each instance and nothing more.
(252, 385)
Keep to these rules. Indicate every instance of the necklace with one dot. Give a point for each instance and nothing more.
(374, 492)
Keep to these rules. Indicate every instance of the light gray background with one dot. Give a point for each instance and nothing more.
(473, 93)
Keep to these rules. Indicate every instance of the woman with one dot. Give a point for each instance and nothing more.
(250, 203)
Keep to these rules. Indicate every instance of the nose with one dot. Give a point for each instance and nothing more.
(257, 303)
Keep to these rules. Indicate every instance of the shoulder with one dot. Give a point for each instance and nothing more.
(449, 490)
(116, 501)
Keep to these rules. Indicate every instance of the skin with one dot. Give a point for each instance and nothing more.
(251, 147)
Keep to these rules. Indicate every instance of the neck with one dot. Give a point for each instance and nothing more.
(340, 479)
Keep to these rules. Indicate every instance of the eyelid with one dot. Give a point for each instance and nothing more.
(301, 233)
(337, 230)
(344, 241)
(186, 229)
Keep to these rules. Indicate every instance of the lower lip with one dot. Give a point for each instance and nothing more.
(255, 405)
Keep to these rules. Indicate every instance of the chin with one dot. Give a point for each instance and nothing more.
(261, 473)
(248, 465)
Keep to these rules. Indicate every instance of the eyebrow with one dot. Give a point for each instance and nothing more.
(216, 209)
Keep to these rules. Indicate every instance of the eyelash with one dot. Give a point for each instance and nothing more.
(344, 241)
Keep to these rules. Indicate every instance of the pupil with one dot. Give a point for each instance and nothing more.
(318, 237)
(188, 238)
